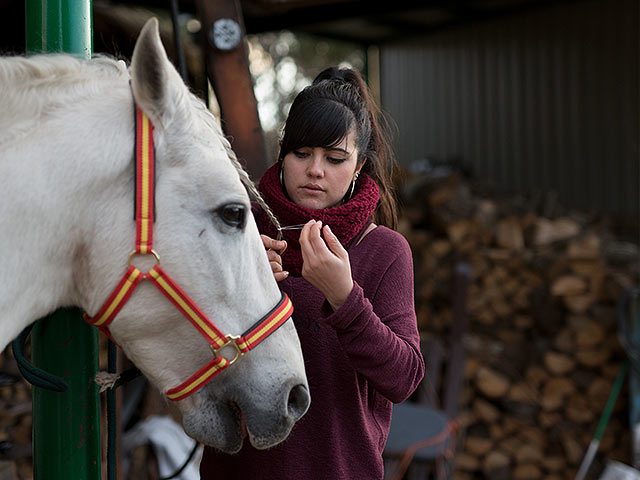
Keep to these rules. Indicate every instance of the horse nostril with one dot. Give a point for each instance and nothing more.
(298, 402)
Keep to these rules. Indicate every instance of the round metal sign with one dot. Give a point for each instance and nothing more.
(225, 34)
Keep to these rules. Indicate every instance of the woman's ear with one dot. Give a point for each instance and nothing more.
(359, 167)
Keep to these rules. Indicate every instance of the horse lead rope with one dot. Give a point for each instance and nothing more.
(144, 200)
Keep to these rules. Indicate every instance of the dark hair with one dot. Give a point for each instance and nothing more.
(324, 113)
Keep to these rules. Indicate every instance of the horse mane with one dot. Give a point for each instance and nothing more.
(244, 176)
(37, 70)
(250, 186)
(36, 87)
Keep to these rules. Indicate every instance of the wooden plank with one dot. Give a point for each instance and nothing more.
(8, 470)
(228, 72)
(428, 391)
(455, 369)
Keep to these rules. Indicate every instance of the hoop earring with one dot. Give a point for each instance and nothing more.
(353, 186)
(281, 175)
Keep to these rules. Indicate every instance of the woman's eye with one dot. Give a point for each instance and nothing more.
(233, 214)
(335, 159)
(300, 154)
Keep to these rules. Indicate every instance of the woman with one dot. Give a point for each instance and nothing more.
(351, 283)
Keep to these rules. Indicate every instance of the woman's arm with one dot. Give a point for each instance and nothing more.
(377, 329)
(383, 345)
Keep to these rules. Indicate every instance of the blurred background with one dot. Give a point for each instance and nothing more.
(517, 139)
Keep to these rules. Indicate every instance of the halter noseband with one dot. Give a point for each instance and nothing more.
(144, 212)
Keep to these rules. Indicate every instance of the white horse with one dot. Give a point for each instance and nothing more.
(66, 227)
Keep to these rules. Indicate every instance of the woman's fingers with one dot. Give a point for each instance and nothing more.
(272, 243)
(305, 245)
(275, 260)
(279, 276)
(315, 239)
(333, 243)
(311, 242)
(274, 249)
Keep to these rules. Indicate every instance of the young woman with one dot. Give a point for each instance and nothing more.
(351, 283)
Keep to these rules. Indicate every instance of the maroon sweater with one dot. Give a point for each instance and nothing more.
(358, 361)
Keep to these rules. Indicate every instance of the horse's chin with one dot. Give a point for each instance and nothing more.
(224, 427)
(219, 426)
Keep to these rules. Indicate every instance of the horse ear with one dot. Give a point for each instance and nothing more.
(157, 86)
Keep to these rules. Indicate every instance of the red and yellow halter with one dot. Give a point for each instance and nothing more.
(145, 201)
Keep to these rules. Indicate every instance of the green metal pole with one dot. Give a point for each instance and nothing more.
(59, 26)
(66, 426)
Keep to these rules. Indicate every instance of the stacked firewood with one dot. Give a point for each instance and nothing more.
(15, 421)
(542, 351)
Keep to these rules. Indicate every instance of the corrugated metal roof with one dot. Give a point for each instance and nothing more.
(545, 100)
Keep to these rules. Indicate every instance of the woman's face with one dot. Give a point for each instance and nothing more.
(319, 177)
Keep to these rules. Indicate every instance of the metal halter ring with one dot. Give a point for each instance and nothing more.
(232, 340)
(151, 252)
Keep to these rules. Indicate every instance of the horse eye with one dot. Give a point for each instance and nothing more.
(233, 215)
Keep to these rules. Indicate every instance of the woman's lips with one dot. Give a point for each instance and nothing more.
(312, 189)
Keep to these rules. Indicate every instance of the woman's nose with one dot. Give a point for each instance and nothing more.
(315, 168)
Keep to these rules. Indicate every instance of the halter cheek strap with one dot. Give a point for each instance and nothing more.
(144, 215)
(145, 184)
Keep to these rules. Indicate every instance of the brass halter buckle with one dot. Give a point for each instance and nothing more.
(151, 252)
(232, 340)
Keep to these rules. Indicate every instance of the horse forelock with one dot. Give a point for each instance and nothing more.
(34, 87)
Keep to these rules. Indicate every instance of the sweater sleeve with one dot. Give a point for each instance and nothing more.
(380, 334)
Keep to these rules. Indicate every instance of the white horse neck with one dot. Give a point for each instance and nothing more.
(63, 143)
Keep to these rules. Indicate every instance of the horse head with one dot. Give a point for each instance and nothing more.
(204, 233)
(209, 242)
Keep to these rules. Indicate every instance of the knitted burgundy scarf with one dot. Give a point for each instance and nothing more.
(345, 220)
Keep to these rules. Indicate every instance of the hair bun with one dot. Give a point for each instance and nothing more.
(331, 73)
(339, 75)
(346, 77)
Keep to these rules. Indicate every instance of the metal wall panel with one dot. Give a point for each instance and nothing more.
(546, 99)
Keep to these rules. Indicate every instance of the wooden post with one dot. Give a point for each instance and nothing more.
(228, 72)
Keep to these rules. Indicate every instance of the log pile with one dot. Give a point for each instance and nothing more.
(541, 343)
(15, 421)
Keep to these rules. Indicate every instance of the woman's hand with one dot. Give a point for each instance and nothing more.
(274, 249)
(325, 263)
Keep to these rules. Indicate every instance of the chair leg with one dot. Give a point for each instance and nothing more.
(444, 469)
(390, 466)
(419, 471)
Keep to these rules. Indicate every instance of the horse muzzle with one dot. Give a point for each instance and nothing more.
(265, 418)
